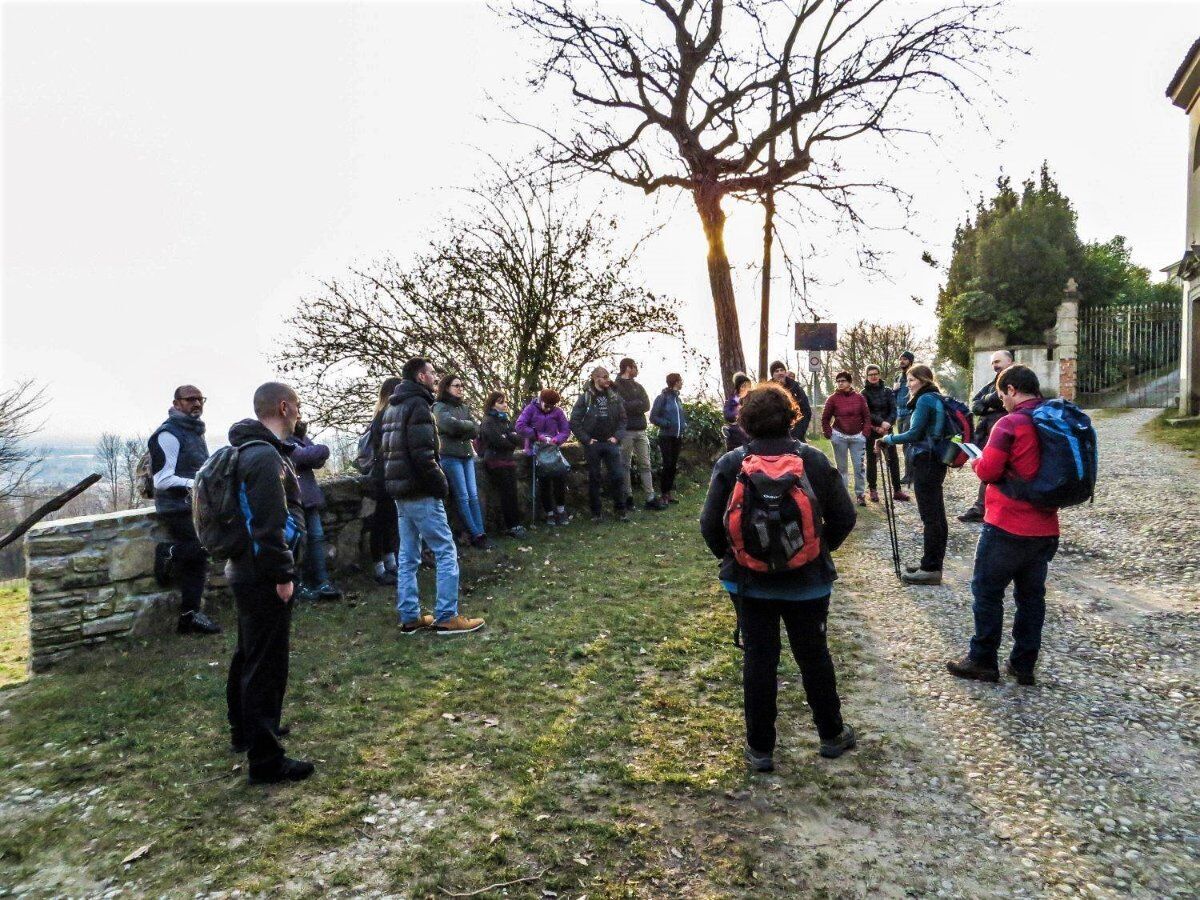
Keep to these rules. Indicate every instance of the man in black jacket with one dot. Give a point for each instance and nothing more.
(177, 451)
(779, 374)
(262, 577)
(598, 423)
(800, 597)
(988, 409)
(416, 482)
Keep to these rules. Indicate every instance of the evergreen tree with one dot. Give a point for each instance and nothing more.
(1009, 266)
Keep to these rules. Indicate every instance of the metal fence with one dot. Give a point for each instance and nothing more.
(1129, 355)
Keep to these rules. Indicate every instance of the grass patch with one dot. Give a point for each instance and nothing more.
(1184, 437)
(589, 735)
(14, 632)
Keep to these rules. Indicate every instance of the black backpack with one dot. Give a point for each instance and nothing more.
(217, 506)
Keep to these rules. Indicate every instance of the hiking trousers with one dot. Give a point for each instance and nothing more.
(929, 477)
(891, 460)
(635, 448)
(190, 560)
(805, 623)
(258, 672)
(1001, 559)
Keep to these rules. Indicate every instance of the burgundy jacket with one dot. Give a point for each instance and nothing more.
(849, 412)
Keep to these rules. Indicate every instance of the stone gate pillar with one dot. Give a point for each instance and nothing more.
(1066, 339)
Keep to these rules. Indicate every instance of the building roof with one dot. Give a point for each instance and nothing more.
(1188, 65)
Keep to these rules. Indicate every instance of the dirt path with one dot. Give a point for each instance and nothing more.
(1089, 783)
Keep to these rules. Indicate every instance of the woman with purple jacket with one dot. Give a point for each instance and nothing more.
(542, 422)
(306, 457)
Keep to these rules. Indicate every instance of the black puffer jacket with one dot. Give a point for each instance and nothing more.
(837, 514)
(500, 441)
(410, 445)
(270, 500)
(988, 409)
(881, 401)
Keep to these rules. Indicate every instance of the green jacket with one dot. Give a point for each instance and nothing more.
(456, 426)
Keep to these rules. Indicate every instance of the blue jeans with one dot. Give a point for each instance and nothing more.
(461, 475)
(1000, 559)
(425, 519)
(315, 571)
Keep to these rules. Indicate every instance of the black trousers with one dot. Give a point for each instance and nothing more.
(505, 482)
(552, 491)
(190, 558)
(669, 447)
(258, 673)
(609, 455)
(929, 474)
(890, 455)
(805, 624)
(385, 528)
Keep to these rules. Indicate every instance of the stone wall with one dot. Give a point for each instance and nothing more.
(91, 579)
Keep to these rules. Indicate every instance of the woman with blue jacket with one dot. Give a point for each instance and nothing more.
(926, 427)
(669, 415)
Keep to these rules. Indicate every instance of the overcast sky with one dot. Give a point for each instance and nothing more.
(176, 176)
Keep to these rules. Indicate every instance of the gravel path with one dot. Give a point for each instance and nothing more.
(1090, 782)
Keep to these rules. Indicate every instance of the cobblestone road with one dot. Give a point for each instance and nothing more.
(1089, 782)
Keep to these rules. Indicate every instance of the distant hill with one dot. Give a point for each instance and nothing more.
(66, 463)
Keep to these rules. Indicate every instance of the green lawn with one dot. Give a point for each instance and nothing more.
(587, 737)
(14, 632)
(1185, 437)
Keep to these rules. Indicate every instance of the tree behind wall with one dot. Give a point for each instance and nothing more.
(522, 292)
(1009, 266)
(747, 99)
(872, 343)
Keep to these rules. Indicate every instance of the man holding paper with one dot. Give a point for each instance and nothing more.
(1017, 542)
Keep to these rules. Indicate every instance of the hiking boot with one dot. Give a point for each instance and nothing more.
(458, 625)
(974, 514)
(759, 762)
(386, 577)
(835, 747)
(656, 503)
(197, 623)
(306, 594)
(901, 496)
(421, 623)
(911, 569)
(922, 576)
(860, 500)
(288, 769)
(326, 590)
(163, 563)
(969, 668)
(481, 542)
(1025, 678)
(874, 496)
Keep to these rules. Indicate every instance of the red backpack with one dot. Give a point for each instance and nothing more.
(772, 518)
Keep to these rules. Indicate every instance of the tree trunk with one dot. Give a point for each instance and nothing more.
(764, 315)
(732, 357)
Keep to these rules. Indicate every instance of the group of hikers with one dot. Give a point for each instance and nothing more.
(776, 510)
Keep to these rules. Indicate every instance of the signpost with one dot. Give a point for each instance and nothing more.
(816, 337)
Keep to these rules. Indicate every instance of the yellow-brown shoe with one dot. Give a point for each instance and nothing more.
(423, 623)
(457, 625)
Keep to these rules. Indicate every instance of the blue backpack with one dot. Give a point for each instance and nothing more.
(1066, 475)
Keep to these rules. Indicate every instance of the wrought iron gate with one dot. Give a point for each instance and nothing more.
(1129, 355)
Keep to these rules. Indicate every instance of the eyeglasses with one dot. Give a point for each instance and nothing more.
(457, 384)
(193, 399)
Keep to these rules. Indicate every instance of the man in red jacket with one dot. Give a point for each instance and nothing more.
(1017, 542)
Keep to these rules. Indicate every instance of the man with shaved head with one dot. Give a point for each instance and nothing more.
(262, 577)
(988, 409)
(177, 451)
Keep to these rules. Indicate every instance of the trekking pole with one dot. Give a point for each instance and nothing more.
(533, 488)
(889, 508)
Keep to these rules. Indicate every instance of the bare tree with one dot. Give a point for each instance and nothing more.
(19, 405)
(681, 97)
(523, 292)
(873, 343)
(109, 451)
(132, 450)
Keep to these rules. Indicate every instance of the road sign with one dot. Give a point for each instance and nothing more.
(816, 335)
(814, 363)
